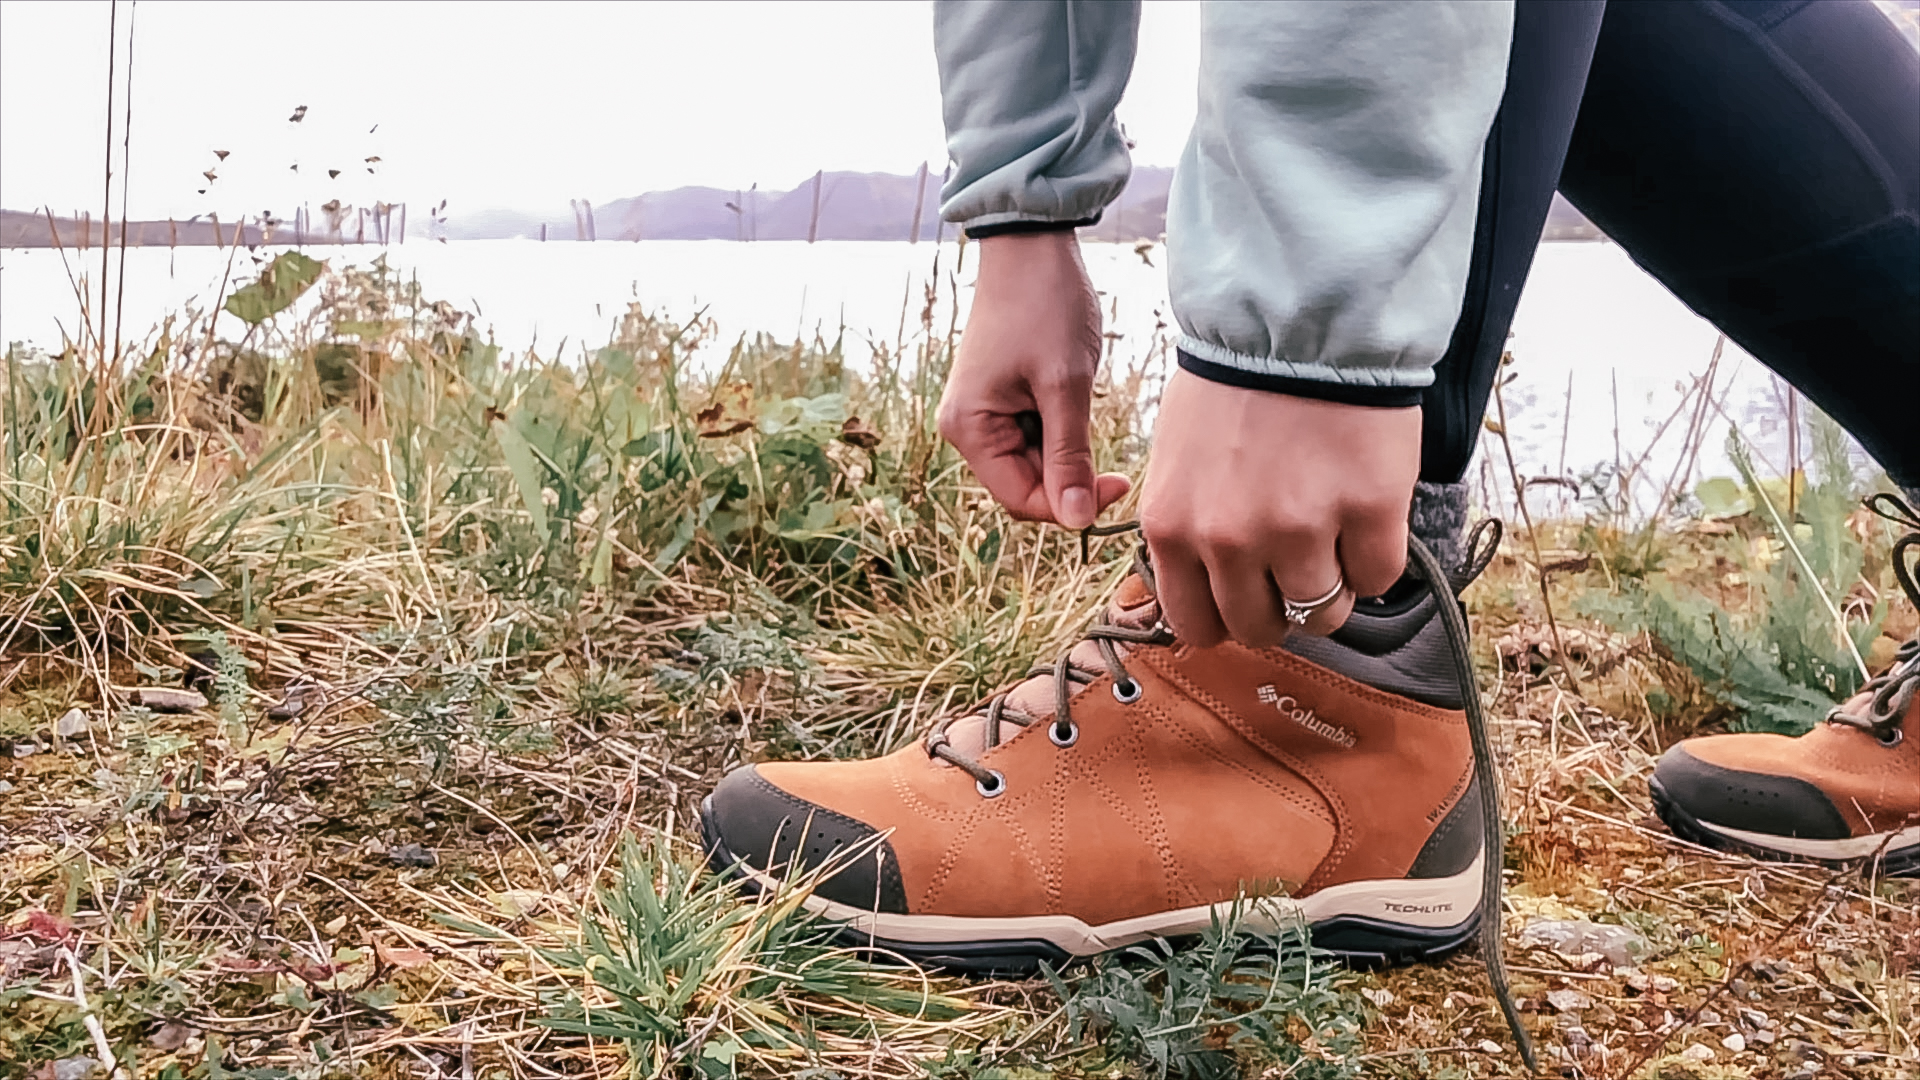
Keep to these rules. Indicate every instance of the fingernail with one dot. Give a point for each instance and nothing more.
(1076, 508)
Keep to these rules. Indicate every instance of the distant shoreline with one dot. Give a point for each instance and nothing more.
(81, 236)
(841, 206)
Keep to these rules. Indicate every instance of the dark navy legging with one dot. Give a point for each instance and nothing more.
(1761, 158)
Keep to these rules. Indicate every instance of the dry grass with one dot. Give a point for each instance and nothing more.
(540, 608)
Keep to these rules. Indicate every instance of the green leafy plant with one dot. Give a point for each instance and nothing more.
(1238, 994)
(677, 966)
(1792, 653)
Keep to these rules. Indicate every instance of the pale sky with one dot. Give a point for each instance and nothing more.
(510, 105)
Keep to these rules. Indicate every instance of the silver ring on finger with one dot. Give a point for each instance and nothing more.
(1299, 613)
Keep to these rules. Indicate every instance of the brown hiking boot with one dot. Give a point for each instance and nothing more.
(1848, 789)
(1140, 786)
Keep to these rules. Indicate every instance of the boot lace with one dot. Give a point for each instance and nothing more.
(1891, 693)
(1067, 677)
(1443, 585)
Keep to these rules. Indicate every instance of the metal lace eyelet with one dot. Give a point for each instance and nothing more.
(1892, 738)
(997, 789)
(1063, 735)
(1127, 691)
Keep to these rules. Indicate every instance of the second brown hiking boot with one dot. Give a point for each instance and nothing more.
(1140, 786)
(1848, 789)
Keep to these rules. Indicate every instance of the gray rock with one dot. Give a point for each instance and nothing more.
(71, 723)
(74, 1068)
(1568, 1001)
(1617, 945)
(297, 699)
(412, 855)
(168, 700)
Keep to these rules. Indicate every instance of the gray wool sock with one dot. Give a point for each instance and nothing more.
(1439, 519)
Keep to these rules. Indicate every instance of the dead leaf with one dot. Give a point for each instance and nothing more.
(400, 956)
(46, 927)
(856, 432)
(730, 413)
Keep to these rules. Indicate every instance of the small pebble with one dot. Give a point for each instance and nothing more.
(1568, 1000)
(166, 700)
(71, 723)
(74, 1068)
(1697, 1052)
(412, 855)
(1708, 1016)
(1764, 1037)
(1735, 1042)
(24, 749)
(5, 787)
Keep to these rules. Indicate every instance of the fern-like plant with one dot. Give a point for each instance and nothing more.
(1783, 663)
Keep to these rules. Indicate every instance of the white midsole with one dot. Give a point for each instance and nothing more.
(1415, 903)
(1856, 847)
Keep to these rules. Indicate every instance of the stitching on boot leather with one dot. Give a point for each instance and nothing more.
(1171, 869)
(1316, 808)
(1343, 839)
(1057, 832)
(1049, 873)
(948, 860)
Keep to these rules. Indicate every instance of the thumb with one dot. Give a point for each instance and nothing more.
(1067, 454)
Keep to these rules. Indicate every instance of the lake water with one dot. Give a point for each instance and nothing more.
(1593, 335)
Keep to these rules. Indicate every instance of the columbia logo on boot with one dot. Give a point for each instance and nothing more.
(1291, 709)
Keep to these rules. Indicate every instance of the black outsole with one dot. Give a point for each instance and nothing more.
(1901, 862)
(1351, 939)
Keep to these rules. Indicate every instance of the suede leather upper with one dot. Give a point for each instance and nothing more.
(1237, 770)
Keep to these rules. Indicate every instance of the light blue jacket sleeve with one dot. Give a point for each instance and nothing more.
(1321, 220)
(1028, 88)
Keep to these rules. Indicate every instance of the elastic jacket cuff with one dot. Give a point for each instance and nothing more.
(1378, 397)
(1014, 228)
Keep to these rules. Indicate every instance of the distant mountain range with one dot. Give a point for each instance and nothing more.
(831, 206)
(851, 206)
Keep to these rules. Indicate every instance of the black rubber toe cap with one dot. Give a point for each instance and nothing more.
(1753, 802)
(749, 820)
